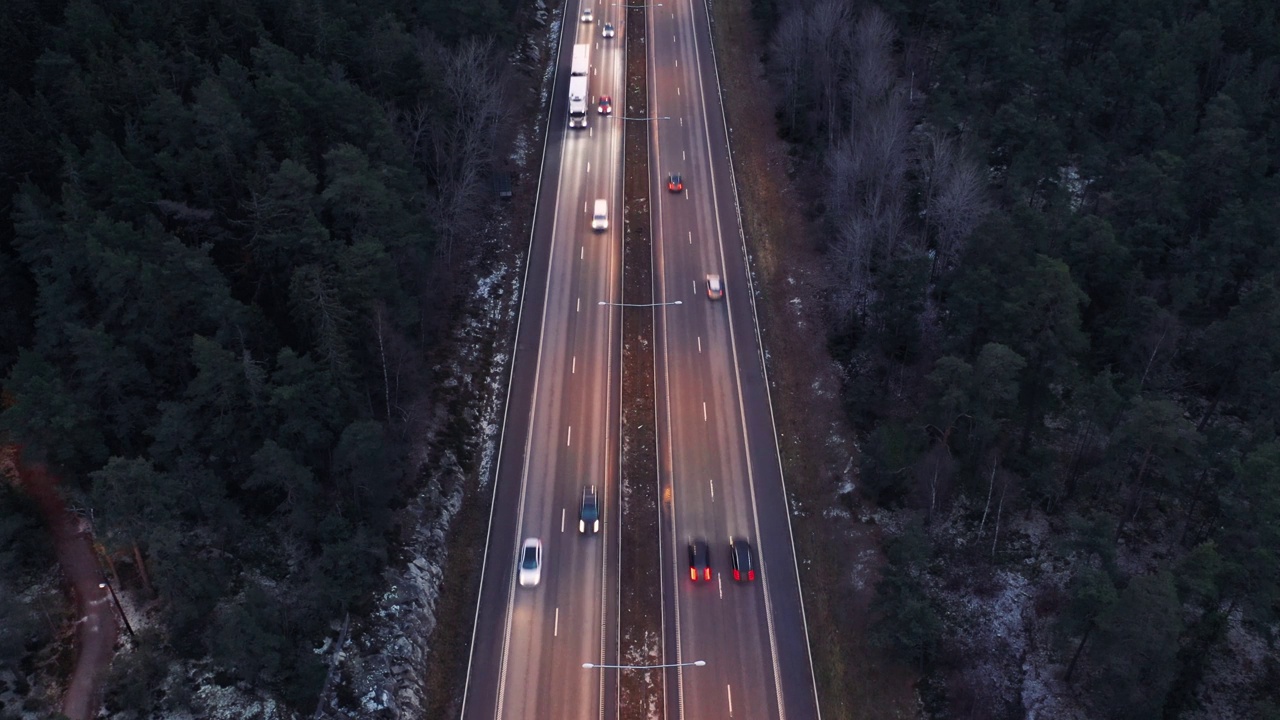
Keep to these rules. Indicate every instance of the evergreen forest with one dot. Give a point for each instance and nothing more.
(228, 231)
(1053, 243)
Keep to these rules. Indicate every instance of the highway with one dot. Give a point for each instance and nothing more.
(718, 454)
(560, 431)
(719, 471)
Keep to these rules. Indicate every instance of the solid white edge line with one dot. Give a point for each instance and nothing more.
(764, 368)
(737, 369)
(533, 400)
(502, 437)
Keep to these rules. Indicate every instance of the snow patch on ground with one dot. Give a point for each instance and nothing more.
(235, 703)
(863, 569)
(17, 693)
(1237, 666)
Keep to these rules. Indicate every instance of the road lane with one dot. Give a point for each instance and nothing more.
(752, 635)
(529, 643)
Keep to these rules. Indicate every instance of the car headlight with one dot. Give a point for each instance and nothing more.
(582, 526)
(596, 527)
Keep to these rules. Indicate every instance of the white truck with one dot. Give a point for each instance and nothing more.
(577, 102)
(578, 86)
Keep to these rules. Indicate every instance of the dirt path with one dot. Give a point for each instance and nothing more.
(96, 629)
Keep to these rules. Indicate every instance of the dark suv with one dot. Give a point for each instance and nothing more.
(699, 561)
(744, 567)
(589, 515)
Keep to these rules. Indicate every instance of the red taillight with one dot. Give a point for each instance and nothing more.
(707, 574)
(751, 574)
(693, 574)
(736, 576)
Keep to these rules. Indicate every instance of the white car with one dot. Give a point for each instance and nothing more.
(607, 31)
(530, 563)
(715, 289)
(586, 15)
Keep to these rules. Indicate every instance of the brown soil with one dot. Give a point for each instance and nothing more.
(855, 679)
(640, 614)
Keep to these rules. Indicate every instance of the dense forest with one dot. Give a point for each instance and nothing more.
(1054, 263)
(227, 232)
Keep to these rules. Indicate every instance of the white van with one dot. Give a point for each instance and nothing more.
(600, 219)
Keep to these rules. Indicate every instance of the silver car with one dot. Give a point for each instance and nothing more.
(530, 562)
(715, 289)
(586, 15)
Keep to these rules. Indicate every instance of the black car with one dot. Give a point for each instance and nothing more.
(744, 566)
(699, 561)
(589, 515)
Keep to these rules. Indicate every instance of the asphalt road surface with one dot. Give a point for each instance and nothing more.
(560, 432)
(719, 467)
(718, 459)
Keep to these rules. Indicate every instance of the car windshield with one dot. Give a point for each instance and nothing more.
(530, 561)
(589, 509)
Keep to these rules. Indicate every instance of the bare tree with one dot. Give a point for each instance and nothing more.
(1158, 343)
(788, 55)
(459, 143)
(874, 77)
(829, 40)
(414, 127)
(955, 195)
(958, 208)
(867, 168)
